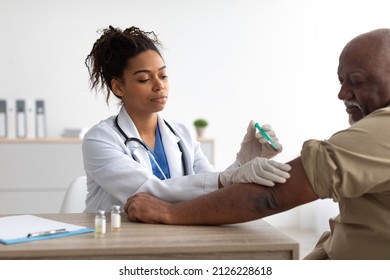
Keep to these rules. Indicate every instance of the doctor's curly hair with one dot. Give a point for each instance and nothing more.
(111, 52)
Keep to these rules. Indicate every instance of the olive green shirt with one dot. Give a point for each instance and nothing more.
(353, 168)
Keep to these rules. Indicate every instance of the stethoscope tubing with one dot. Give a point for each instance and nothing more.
(144, 146)
(136, 140)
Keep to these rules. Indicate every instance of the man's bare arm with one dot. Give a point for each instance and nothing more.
(233, 204)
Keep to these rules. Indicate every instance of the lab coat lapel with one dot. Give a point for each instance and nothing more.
(138, 151)
(172, 151)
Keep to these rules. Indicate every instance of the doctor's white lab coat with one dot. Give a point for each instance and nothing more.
(115, 171)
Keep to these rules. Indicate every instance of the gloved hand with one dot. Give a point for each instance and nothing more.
(255, 145)
(259, 170)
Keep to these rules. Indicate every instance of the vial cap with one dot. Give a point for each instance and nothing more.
(101, 212)
(116, 207)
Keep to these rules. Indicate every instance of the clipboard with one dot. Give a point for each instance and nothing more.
(26, 228)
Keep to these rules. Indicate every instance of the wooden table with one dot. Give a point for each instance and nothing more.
(252, 240)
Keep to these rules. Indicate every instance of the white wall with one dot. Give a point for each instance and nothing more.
(229, 61)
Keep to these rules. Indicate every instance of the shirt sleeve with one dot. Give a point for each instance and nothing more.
(351, 163)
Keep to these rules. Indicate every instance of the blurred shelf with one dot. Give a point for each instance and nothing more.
(39, 140)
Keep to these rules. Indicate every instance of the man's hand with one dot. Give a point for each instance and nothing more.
(255, 145)
(143, 207)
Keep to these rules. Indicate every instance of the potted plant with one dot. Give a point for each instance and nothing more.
(200, 125)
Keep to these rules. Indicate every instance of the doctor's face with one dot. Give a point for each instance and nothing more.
(144, 86)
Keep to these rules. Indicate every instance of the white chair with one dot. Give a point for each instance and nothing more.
(74, 199)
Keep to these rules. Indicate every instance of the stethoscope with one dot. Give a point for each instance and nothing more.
(144, 146)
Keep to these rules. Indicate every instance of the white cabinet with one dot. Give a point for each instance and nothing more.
(34, 174)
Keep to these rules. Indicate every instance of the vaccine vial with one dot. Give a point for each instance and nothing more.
(115, 218)
(100, 224)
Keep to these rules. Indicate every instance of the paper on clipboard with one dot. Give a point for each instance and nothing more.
(15, 229)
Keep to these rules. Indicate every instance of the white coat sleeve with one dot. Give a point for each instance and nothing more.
(108, 163)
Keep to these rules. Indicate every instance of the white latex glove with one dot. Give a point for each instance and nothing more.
(255, 145)
(259, 170)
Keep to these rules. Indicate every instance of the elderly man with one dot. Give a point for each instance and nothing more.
(352, 168)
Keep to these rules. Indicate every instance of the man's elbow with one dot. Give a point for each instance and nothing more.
(266, 202)
(258, 200)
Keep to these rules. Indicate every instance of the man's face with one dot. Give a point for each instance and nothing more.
(364, 75)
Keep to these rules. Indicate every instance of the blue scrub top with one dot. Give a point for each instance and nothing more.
(159, 156)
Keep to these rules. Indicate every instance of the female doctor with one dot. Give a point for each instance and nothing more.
(137, 150)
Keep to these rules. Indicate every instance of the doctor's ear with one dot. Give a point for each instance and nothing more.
(117, 87)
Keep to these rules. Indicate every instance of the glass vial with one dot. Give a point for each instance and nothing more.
(100, 224)
(115, 218)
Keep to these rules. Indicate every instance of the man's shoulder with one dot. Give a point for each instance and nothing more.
(380, 112)
(375, 121)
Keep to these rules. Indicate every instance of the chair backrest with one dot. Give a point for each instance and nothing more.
(74, 199)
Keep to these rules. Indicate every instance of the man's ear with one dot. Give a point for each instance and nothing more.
(116, 86)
